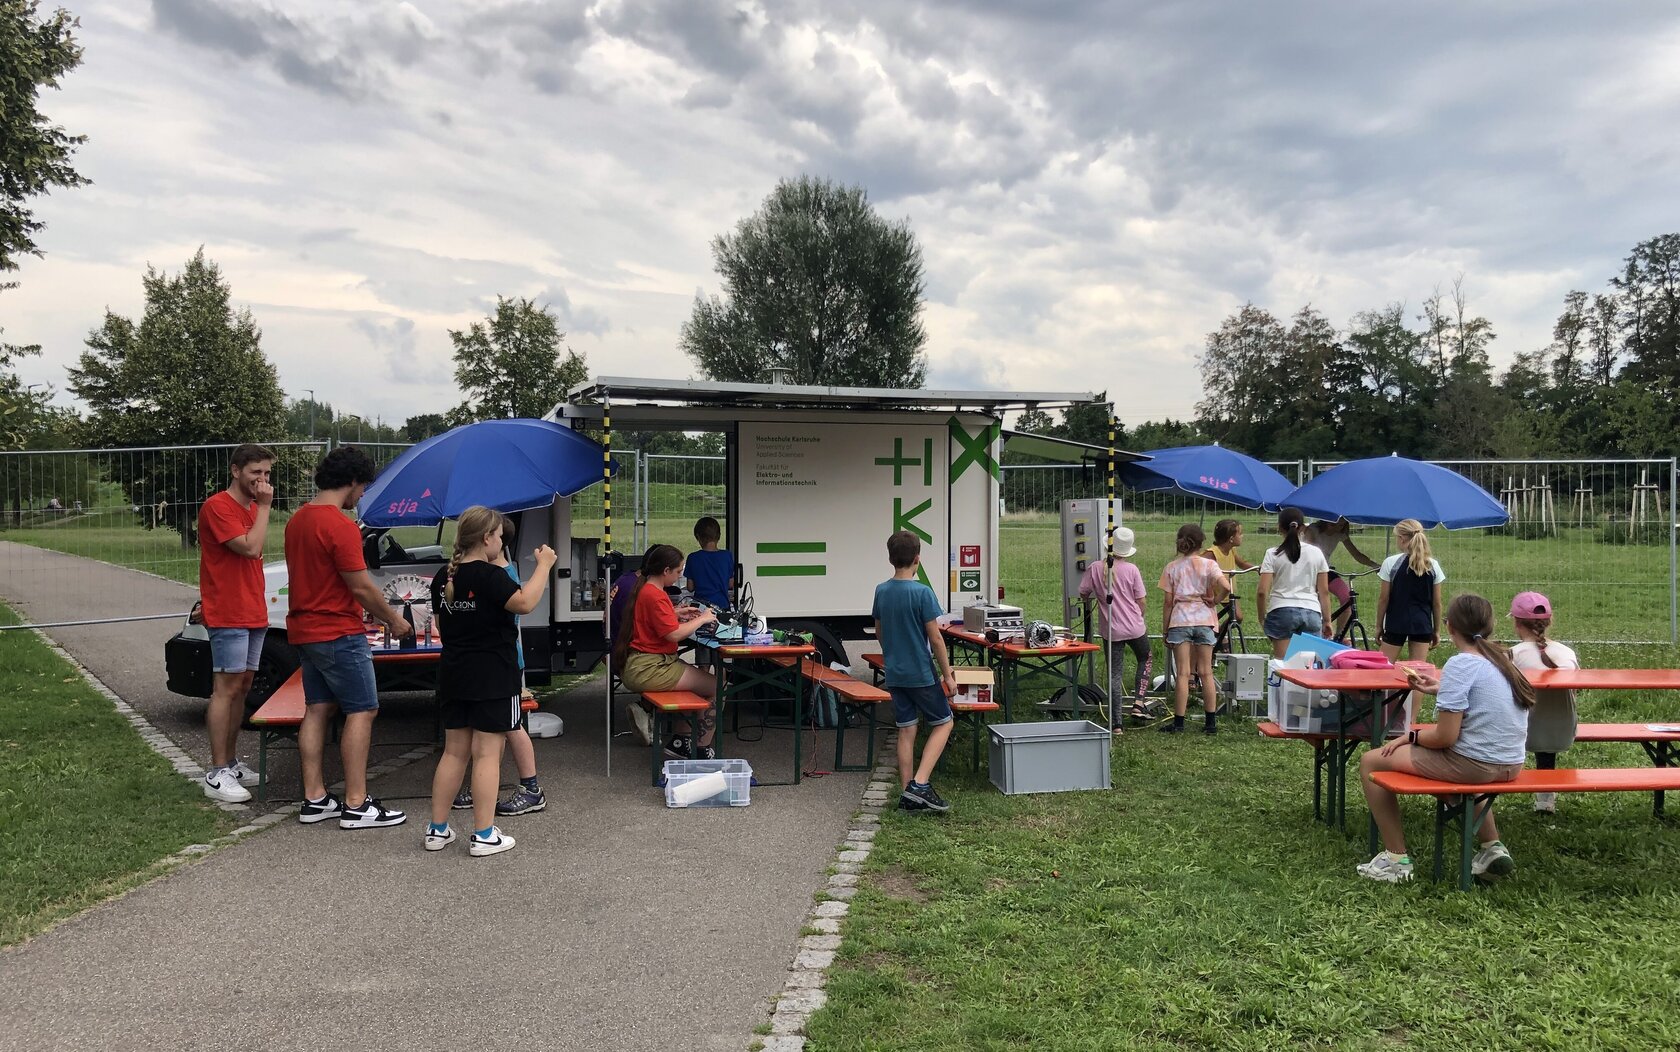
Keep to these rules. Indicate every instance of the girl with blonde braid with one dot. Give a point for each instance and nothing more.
(1551, 726)
(477, 604)
(1409, 605)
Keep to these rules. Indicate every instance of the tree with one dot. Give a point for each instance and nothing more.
(510, 365)
(425, 425)
(191, 372)
(815, 282)
(1569, 338)
(34, 154)
(1603, 331)
(1384, 384)
(1166, 434)
(1650, 291)
(1241, 371)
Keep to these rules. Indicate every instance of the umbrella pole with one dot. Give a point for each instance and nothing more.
(606, 538)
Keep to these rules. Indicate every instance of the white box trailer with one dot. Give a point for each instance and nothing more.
(816, 479)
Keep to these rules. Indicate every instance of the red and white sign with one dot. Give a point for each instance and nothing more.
(970, 555)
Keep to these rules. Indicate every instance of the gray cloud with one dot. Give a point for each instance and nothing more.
(295, 50)
(574, 321)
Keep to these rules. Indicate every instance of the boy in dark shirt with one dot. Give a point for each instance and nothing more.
(711, 570)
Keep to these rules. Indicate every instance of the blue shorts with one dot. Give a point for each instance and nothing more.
(1201, 635)
(340, 672)
(1284, 621)
(920, 703)
(236, 650)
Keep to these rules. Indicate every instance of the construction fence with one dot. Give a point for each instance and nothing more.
(1596, 536)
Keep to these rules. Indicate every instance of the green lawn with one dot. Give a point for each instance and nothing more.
(1198, 905)
(86, 809)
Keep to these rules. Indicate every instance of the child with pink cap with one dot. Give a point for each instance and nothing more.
(1551, 725)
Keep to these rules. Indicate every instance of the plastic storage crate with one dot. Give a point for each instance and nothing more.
(1055, 757)
(737, 777)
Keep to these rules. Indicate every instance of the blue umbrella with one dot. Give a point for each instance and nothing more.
(1213, 472)
(509, 465)
(1383, 490)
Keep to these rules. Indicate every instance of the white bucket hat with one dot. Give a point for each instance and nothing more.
(1125, 542)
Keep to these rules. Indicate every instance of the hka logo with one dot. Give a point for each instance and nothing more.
(406, 507)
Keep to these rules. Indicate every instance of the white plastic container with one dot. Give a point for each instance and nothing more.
(737, 778)
(1295, 708)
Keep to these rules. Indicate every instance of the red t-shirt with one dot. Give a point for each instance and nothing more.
(656, 618)
(321, 543)
(229, 584)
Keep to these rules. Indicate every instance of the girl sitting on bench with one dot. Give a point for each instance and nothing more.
(1551, 726)
(645, 645)
(1481, 711)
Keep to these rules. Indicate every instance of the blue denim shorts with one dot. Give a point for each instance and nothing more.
(920, 703)
(1284, 621)
(236, 650)
(1199, 634)
(340, 672)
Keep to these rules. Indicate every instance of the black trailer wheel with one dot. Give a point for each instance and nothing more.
(279, 660)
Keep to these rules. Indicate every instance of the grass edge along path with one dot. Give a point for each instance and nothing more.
(1198, 905)
(87, 809)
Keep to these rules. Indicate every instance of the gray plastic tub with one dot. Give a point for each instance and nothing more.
(1054, 757)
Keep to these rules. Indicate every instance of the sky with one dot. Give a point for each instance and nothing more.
(1095, 186)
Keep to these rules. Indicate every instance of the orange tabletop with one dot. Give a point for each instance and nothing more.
(737, 650)
(1018, 650)
(977, 638)
(1345, 678)
(1606, 678)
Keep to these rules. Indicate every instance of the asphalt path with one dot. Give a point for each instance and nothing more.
(615, 923)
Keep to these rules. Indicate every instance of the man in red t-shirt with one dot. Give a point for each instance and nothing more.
(232, 529)
(328, 587)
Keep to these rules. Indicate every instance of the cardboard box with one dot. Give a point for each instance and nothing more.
(973, 684)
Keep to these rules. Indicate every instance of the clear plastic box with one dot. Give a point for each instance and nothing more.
(737, 776)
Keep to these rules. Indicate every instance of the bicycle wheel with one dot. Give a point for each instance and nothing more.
(1356, 630)
(1236, 642)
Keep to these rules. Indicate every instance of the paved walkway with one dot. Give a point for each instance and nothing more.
(615, 923)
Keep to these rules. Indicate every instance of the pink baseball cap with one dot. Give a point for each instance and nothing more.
(1531, 606)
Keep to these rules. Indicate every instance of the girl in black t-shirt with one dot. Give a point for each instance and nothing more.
(476, 603)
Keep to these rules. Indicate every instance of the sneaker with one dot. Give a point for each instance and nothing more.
(522, 802)
(926, 797)
(439, 841)
(677, 748)
(705, 752)
(1492, 861)
(1386, 868)
(642, 723)
(1545, 803)
(1172, 727)
(244, 773)
(494, 844)
(463, 801)
(320, 810)
(222, 784)
(370, 816)
(907, 804)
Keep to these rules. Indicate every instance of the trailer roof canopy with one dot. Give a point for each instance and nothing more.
(795, 396)
(1065, 450)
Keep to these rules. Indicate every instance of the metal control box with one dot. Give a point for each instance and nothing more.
(1084, 538)
(981, 616)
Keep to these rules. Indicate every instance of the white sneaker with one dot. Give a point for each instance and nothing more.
(1492, 861)
(222, 784)
(369, 816)
(641, 722)
(439, 841)
(244, 773)
(1545, 803)
(494, 844)
(1386, 868)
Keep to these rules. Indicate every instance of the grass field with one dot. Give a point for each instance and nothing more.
(86, 809)
(1198, 905)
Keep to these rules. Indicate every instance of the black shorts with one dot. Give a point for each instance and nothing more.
(1395, 639)
(492, 715)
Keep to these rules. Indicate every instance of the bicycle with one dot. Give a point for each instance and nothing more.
(1351, 608)
(1228, 638)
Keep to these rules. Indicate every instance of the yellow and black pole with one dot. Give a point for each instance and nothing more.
(1113, 713)
(606, 555)
(1113, 427)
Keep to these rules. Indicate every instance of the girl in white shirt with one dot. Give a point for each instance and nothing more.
(1551, 726)
(1294, 591)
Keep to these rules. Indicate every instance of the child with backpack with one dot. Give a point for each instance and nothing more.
(1551, 725)
(1409, 605)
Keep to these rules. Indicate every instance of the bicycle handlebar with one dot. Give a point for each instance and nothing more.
(1362, 573)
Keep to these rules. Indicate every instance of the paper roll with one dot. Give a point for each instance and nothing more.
(702, 788)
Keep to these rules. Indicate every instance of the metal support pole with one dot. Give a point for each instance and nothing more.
(606, 553)
(1673, 599)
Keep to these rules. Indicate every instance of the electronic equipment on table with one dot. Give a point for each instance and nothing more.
(983, 616)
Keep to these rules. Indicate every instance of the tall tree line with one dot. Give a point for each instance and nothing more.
(1419, 381)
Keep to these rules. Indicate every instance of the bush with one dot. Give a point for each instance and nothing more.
(1526, 530)
(1651, 531)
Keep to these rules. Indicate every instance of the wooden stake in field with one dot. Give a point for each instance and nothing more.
(1636, 509)
(1586, 509)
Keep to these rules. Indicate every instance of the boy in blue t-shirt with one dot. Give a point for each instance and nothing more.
(918, 670)
(711, 570)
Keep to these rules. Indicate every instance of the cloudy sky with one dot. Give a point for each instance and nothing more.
(1095, 185)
